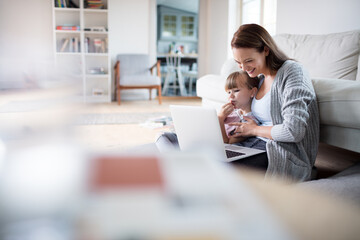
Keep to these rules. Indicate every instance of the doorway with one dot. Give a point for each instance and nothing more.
(177, 46)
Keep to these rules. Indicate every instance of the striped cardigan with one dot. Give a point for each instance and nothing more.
(295, 117)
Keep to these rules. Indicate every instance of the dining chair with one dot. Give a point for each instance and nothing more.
(132, 71)
(191, 76)
(174, 74)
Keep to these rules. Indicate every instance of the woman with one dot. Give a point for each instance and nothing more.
(285, 104)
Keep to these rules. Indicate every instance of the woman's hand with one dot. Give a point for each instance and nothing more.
(225, 110)
(245, 129)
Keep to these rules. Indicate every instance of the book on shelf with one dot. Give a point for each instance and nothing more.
(68, 28)
(103, 47)
(98, 92)
(94, 4)
(76, 44)
(97, 45)
(70, 45)
(86, 45)
(106, 45)
(97, 70)
(65, 4)
(72, 4)
(64, 44)
(96, 29)
(100, 45)
(60, 3)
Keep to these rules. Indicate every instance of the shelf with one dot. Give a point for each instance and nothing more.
(96, 54)
(68, 31)
(69, 53)
(94, 32)
(67, 9)
(92, 45)
(97, 75)
(88, 10)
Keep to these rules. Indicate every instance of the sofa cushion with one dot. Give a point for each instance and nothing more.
(339, 102)
(212, 87)
(333, 55)
(229, 67)
(139, 80)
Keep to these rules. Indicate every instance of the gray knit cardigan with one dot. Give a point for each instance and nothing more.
(295, 117)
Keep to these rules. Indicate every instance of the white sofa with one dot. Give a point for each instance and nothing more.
(333, 61)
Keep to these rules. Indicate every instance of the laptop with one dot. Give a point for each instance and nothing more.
(199, 126)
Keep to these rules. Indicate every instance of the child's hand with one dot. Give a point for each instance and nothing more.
(245, 129)
(225, 110)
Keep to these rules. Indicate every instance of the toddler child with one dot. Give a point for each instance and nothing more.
(241, 89)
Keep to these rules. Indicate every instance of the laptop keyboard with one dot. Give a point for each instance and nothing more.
(231, 154)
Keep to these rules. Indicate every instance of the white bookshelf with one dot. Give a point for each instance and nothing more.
(88, 63)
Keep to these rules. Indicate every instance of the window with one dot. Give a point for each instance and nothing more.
(251, 11)
(269, 22)
(262, 12)
(169, 26)
(187, 26)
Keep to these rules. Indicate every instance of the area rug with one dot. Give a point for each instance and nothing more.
(120, 118)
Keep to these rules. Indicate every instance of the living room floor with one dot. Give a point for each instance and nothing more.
(105, 137)
(290, 204)
(330, 160)
(124, 136)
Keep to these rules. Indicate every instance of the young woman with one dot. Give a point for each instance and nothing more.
(285, 104)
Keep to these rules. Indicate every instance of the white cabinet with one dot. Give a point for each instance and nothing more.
(81, 46)
(176, 24)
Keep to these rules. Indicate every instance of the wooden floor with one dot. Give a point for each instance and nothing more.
(330, 160)
(125, 136)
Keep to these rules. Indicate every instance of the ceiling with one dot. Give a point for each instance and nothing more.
(186, 5)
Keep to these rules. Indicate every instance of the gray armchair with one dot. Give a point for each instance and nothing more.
(133, 71)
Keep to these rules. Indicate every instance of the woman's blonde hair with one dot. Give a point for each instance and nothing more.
(255, 36)
(242, 78)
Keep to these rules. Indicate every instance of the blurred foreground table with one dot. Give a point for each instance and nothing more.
(308, 213)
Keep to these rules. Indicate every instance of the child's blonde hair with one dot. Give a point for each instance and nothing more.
(242, 78)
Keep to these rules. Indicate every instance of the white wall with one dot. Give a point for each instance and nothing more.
(26, 42)
(317, 16)
(213, 36)
(234, 21)
(132, 26)
(25, 39)
(26, 29)
(129, 26)
(26, 33)
(132, 29)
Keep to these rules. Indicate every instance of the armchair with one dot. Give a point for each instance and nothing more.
(132, 72)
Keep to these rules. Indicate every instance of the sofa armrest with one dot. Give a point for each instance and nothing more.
(339, 102)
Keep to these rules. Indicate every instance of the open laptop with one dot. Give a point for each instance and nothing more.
(195, 126)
